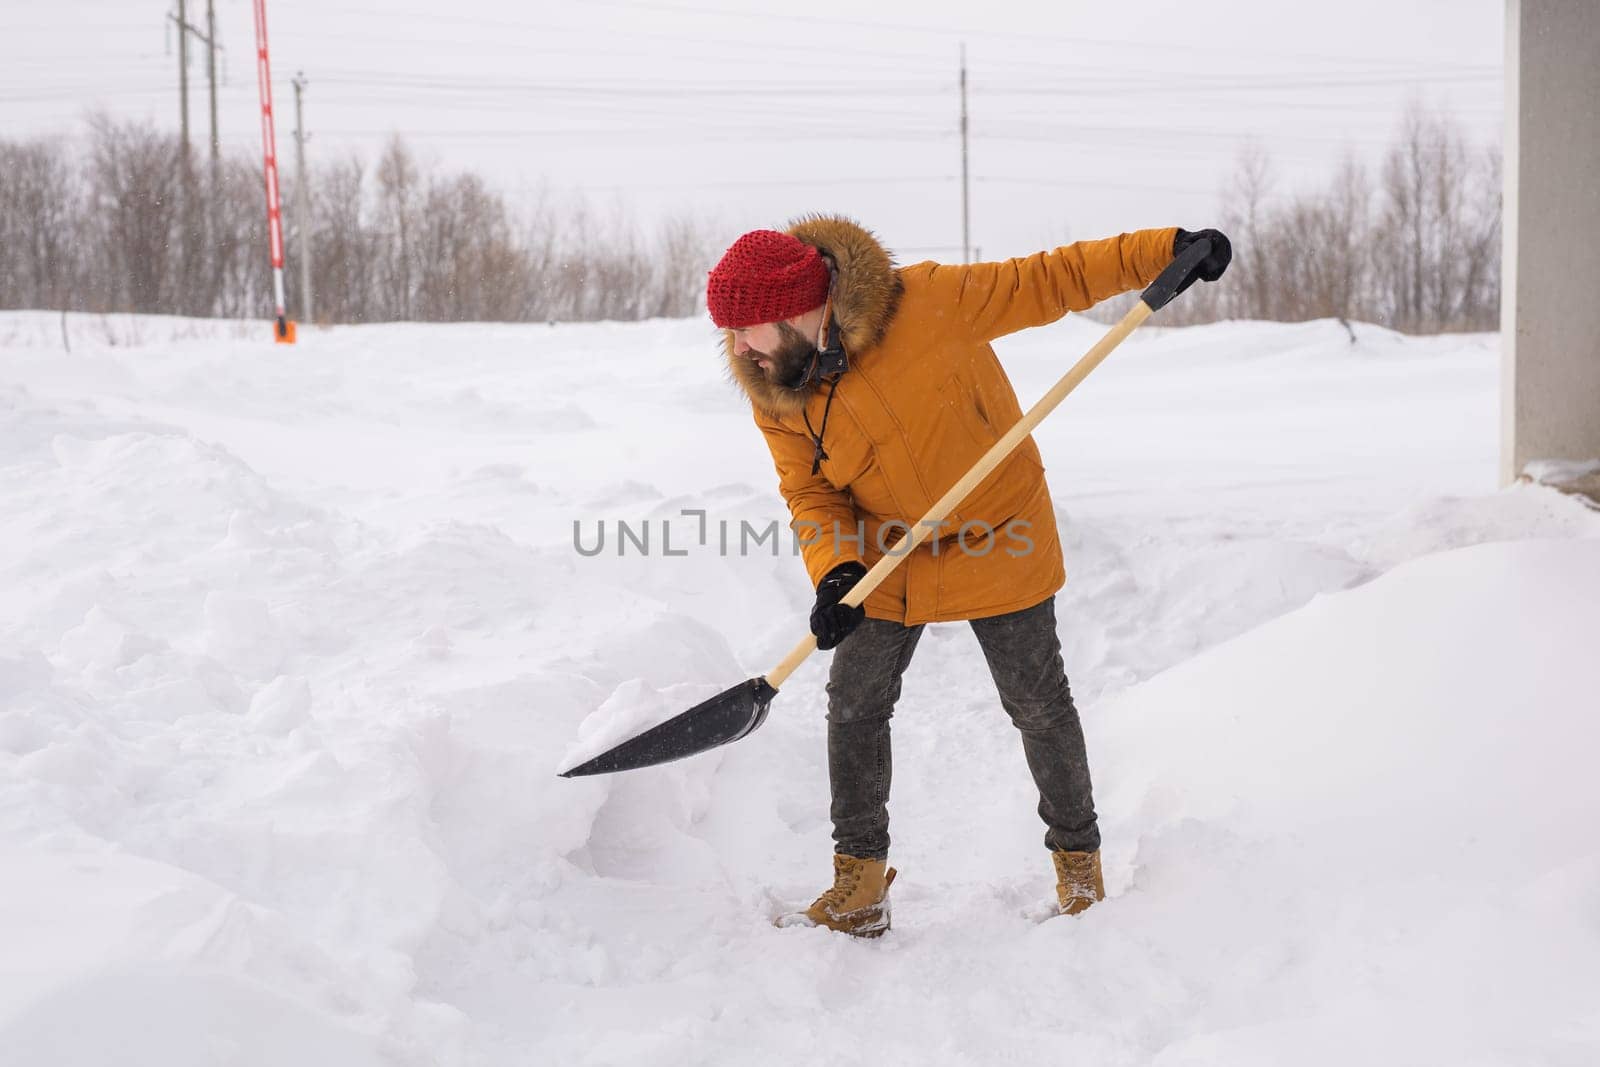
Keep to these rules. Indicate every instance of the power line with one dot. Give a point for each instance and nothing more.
(1128, 82)
(1085, 183)
(753, 133)
(903, 28)
(918, 179)
(653, 89)
(1131, 83)
(695, 43)
(899, 29)
(1143, 88)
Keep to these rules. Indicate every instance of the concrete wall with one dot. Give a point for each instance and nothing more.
(1550, 313)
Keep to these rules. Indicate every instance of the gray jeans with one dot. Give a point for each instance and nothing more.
(1024, 657)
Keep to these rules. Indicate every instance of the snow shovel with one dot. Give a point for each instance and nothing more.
(736, 712)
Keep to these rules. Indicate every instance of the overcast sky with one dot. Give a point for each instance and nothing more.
(1086, 118)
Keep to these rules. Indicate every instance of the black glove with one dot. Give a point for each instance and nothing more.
(1216, 261)
(832, 621)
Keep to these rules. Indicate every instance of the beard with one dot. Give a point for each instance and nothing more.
(791, 359)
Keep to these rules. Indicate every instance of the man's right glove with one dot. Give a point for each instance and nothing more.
(1216, 261)
(832, 621)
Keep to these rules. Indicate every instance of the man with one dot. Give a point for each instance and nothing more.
(877, 389)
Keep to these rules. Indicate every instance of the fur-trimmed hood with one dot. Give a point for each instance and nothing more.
(865, 292)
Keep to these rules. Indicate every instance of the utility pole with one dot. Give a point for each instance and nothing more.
(183, 75)
(966, 230)
(209, 38)
(211, 75)
(305, 199)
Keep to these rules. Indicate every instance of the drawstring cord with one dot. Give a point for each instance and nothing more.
(823, 332)
(816, 435)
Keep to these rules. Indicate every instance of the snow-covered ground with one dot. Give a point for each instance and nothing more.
(293, 641)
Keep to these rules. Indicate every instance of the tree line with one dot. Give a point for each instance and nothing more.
(127, 222)
(1412, 244)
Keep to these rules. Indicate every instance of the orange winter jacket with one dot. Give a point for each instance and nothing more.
(923, 399)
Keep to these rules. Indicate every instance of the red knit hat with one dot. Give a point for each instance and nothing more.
(766, 276)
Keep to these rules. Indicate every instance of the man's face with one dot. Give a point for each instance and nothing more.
(782, 352)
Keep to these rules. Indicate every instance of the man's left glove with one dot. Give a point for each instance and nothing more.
(1210, 268)
(832, 621)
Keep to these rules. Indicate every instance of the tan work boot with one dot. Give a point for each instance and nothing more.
(858, 903)
(1078, 880)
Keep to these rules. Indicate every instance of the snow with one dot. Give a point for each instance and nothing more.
(1556, 472)
(294, 640)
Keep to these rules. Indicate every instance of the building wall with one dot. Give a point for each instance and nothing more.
(1550, 316)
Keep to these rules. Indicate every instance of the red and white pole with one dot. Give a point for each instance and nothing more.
(284, 329)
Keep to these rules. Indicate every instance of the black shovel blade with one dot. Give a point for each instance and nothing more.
(726, 717)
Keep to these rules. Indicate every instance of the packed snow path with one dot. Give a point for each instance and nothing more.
(293, 641)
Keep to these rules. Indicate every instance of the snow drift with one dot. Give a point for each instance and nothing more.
(293, 642)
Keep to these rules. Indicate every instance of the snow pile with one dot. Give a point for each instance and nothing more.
(294, 640)
(1365, 831)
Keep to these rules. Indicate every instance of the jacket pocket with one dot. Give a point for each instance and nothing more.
(999, 497)
(959, 404)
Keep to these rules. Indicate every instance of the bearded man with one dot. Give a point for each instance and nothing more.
(876, 389)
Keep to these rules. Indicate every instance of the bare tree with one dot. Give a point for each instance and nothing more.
(346, 245)
(1246, 217)
(680, 261)
(125, 227)
(40, 214)
(1420, 252)
(239, 265)
(133, 190)
(398, 200)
